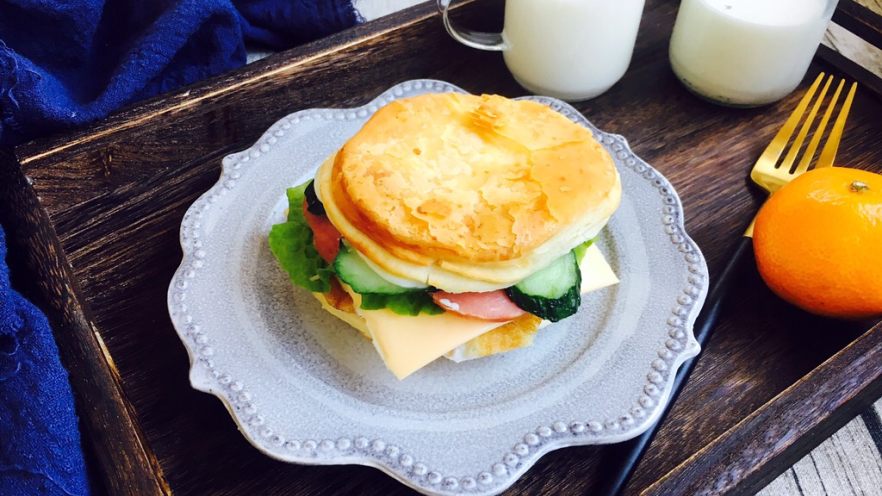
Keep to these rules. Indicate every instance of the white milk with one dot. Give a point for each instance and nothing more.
(746, 52)
(571, 49)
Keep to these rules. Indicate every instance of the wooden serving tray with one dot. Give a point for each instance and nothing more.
(98, 213)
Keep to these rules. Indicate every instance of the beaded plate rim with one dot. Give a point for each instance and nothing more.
(391, 459)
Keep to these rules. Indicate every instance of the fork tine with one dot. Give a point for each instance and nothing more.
(776, 146)
(819, 131)
(787, 164)
(828, 154)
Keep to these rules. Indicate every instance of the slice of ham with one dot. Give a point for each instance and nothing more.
(494, 306)
(325, 236)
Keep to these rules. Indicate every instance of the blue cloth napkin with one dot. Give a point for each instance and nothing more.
(39, 443)
(67, 63)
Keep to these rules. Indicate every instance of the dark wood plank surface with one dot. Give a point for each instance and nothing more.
(114, 195)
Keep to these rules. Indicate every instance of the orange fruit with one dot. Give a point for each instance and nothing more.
(818, 242)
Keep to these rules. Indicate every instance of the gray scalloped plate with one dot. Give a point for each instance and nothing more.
(305, 388)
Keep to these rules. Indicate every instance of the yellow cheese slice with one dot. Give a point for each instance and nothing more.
(407, 343)
(596, 272)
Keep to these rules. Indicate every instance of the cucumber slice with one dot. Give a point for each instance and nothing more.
(553, 292)
(352, 270)
(581, 249)
(553, 281)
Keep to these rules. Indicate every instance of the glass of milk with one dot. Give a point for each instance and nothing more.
(569, 49)
(746, 52)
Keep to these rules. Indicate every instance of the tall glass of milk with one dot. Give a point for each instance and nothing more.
(569, 49)
(746, 52)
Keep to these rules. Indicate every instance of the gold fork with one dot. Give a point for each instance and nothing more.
(770, 173)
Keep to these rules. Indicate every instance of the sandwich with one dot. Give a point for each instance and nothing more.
(453, 226)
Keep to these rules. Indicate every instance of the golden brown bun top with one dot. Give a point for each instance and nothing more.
(471, 179)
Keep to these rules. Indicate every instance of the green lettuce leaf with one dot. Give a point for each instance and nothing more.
(412, 303)
(296, 197)
(291, 244)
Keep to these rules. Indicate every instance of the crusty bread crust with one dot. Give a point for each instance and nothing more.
(468, 193)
